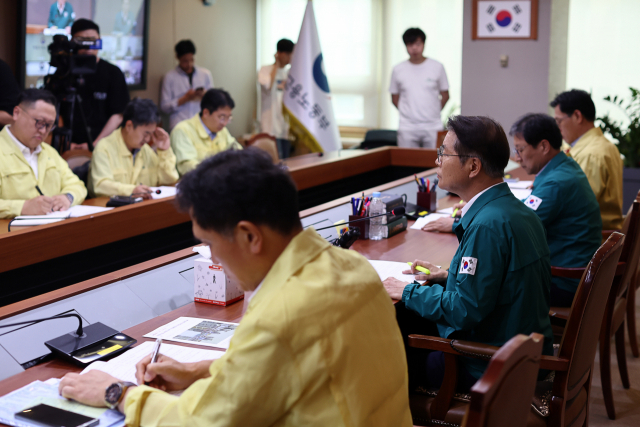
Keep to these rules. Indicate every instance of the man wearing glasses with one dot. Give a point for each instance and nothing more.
(206, 133)
(598, 157)
(34, 179)
(104, 94)
(498, 281)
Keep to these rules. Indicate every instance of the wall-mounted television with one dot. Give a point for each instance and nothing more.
(123, 30)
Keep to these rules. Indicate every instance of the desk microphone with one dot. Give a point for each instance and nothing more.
(397, 211)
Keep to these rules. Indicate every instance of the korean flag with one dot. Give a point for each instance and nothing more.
(498, 19)
(468, 265)
(533, 202)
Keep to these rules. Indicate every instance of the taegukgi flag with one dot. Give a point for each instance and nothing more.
(499, 19)
(307, 99)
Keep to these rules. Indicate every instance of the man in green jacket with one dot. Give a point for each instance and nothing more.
(498, 281)
(561, 197)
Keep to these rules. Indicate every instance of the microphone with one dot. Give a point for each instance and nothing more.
(397, 211)
(147, 192)
(79, 332)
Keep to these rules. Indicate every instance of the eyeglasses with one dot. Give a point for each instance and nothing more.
(441, 154)
(518, 152)
(42, 124)
(559, 120)
(225, 119)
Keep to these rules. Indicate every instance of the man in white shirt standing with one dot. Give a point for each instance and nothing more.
(184, 86)
(419, 89)
(271, 79)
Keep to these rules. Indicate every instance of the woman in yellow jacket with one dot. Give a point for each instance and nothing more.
(123, 163)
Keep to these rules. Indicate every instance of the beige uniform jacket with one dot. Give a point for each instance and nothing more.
(319, 345)
(192, 144)
(600, 160)
(18, 182)
(113, 171)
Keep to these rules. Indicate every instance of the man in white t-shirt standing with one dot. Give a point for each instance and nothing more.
(271, 79)
(419, 90)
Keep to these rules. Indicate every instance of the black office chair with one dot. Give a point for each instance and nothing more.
(379, 138)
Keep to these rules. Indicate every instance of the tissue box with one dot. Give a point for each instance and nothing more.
(212, 286)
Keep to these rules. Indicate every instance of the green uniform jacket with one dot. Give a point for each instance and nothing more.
(499, 278)
(563, 200)
(61, 20)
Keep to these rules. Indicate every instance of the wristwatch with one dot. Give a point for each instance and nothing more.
(115, 392)
(70, 197)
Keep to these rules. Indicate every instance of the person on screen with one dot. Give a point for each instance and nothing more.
(125, 21)
(104, 94)
(419, 90)
(61, 15)
(184, 86)
(498, 281)
(318, 344)
(123, 163)
(271, 79)
(9, 92)
(204, 134)
(35, 179)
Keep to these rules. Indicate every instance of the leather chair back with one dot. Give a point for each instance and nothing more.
(580, 339)
(502, 397)
(631, 251)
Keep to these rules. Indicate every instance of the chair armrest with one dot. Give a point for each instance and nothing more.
(607, 233)
(577, 272)
(554, 363)
(456, 347)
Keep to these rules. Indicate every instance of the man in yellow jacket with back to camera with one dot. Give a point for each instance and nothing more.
(34, 179)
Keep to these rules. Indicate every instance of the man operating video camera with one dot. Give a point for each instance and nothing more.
(104, 94)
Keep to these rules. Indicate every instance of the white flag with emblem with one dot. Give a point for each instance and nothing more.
(504, 19)
(307, 99)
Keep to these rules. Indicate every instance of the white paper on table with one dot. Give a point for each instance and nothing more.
(181, 326)
(49, 216)
(521, 193)
(422, 221)
(83, 210)
(123, 367)
(448, 211)
(522, 185)
(36, 221)
(386, 269)
(164, 192)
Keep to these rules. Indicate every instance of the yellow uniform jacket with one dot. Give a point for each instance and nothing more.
(192, 143)
(114, 172)
(600, 160)
(18, 182)
(319, 345)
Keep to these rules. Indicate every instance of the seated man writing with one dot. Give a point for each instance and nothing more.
(123, 164)
(498, 281)
(204, 134)
(34, 179)
(318, 344)
(561, 197)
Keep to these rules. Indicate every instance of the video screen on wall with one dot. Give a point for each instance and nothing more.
(122, 30)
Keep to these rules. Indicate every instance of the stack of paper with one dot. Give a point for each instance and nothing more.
(386, 269)
(192, 330)
(83, 210)
(422, 221)
(123, 367)
(520, 189)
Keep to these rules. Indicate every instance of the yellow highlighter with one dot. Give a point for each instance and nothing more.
(421, 269)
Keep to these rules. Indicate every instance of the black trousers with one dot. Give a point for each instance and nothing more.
(426, 368)
(559, 297)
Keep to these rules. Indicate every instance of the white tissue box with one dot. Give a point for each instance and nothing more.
(212, 286)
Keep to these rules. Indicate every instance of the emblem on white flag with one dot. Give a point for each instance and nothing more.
(468, 265)
(500, 19)
(533, 202)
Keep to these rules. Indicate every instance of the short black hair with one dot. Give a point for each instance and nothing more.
(215, 99)
(82, 25)
(141, 112)
(481, 137)
(183, 47)
(240, 185)
(285, 45)
(28, 97)
(533, 128)
(413, 34)
(576, 99)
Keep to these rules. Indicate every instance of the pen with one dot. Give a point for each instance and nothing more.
(455, 211)
(428, 182)
(353, 205)
(154, 355)
(39, 191)
(421, 269)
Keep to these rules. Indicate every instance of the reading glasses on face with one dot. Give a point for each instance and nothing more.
(41, 124)
(441, 153)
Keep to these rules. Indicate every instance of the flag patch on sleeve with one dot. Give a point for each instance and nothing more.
(468, 265)
(533, 202)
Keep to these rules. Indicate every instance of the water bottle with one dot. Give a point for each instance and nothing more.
(376, 227)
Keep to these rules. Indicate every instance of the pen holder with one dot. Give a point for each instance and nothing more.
(427, 200)
(362, 225)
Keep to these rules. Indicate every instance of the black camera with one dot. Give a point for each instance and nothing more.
(66, 59)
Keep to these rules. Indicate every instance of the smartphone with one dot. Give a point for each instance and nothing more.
(51, 416)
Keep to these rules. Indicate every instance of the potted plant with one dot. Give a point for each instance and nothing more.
(628, 141)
